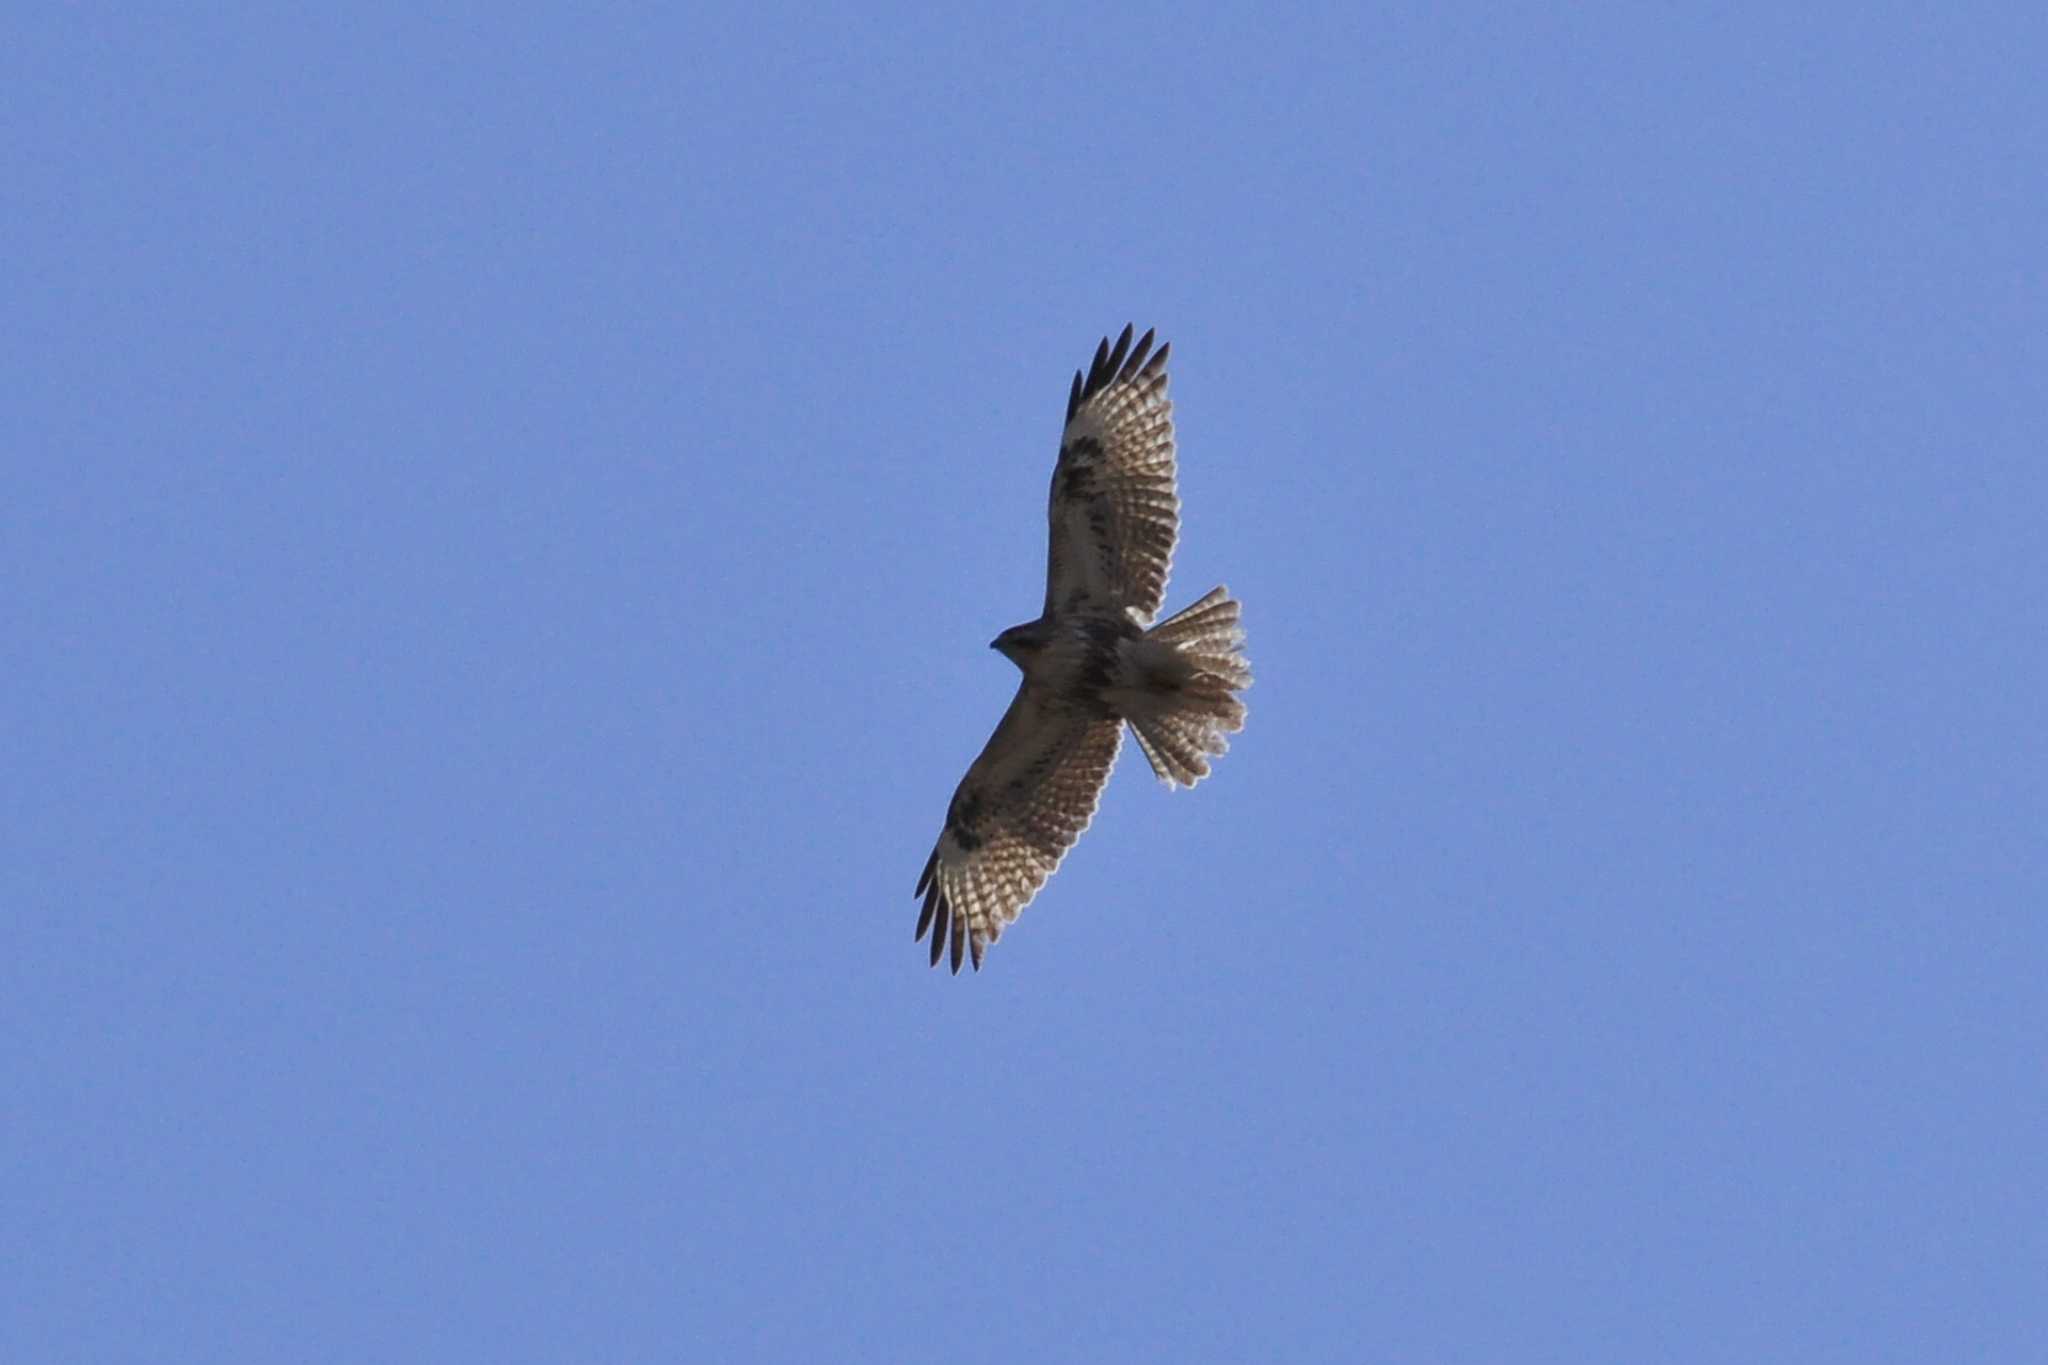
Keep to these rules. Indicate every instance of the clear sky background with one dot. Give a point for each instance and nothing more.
(503, 513)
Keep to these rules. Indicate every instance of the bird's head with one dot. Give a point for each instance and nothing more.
(1020, 642)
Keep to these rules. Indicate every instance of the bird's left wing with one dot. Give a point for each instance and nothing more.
(1022, 805)
(1114, 510)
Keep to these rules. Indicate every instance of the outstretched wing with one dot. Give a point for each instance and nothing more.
(1114, 510)
(1022, 805)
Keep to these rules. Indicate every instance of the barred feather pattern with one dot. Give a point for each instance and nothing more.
(1211, 634)
(1191, 725)
(1022, 805)
(1114, 507)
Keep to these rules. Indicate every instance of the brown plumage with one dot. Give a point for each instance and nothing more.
(1092, 662)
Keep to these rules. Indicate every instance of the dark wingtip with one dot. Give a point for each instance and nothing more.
(959, 941)
(1115, 364)
(1136, 364)
(939, 931)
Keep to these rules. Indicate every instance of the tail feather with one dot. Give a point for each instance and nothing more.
(1216, 615)
(1181, 728)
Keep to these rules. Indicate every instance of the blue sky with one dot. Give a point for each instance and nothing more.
(503, 516)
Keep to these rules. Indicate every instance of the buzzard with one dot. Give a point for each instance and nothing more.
(1093, 662)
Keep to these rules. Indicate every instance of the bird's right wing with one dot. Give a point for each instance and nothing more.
(1022, 805)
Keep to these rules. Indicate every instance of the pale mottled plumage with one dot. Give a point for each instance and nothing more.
(1090, 663)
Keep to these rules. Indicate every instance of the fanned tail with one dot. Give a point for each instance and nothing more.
(1183, 717)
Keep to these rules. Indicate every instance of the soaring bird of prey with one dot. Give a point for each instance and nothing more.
(1093, 662)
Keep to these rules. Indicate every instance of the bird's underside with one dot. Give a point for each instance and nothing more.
(1093, 662)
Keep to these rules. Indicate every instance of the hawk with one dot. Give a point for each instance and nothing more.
(1093, 662)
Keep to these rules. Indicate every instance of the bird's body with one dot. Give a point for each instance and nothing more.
(1079, 656)
(1092, 662)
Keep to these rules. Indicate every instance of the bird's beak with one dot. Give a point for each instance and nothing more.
(996, 643)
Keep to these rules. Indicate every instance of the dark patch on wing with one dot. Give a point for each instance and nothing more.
(1074, 475)
(962, 819)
